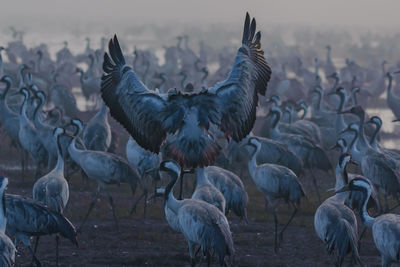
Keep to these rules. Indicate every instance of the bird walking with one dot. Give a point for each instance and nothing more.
(275, 182)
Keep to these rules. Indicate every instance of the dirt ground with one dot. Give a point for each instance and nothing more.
(150, 241)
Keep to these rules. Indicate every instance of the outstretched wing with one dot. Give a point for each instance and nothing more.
(134, 106)
(238, 95)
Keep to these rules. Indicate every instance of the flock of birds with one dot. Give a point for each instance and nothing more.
(189, 127)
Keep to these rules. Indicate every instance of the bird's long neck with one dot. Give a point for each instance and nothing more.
(362, 141)
(389, 88)
(201, 177)
(171, 202)
(328, 55)
(367, 220)
(342, 177)
(340, 124)
(354, 97)
(252, 165)
(353, 150)
(36, 113)
(24, 106)
(73, 151)
(203, 80)
(3, 213)
(60, 161)
(274, 130)
(336, 83)
(21, 77)
(183, 81)
(4, 94)
(304, 113)
(373, 142)
(319, 101)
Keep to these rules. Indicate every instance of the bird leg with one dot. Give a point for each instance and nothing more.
(38, 264)
(57, 239)
(181, 185)
(364, 230)
(137, 201)
(94, 199)
(287, 224)
(111, 201)
(36, 243)
(315, 185)
(145, 204)
(192, 255)
(276, 231)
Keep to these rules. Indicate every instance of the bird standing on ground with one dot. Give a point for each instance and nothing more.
(385, 228)
(201, 223)
(7, 248)
(275, 182)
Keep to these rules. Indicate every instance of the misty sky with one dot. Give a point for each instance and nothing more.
(42, 13)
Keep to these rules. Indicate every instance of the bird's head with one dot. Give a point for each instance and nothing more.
(170, 166)
(340, 143)
(3, 183)
(58, 131)
(375, 120)
(6, 79)
(344, 159)
(78, 123)
(357, 184)
(357, 110)
(355, 90)
(318, 90)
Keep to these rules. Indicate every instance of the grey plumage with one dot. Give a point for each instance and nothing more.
(146, 163)
(201, 223)
(7, 248)
(103, 167)
(275, 182)
(207, 192)
(230, 185)
(97, 132)
(385, 228)
(149, 116)
(27, 217)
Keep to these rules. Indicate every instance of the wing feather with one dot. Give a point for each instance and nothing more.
(238, 94)
(138, 109)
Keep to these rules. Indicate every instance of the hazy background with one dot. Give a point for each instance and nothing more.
(57, 14)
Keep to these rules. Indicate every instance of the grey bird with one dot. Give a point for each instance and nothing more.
(52, 189)
(97, 132)
(275, 182)
(201, 223)
(104, 168)
(186, 117)
(385, 228)
(7, 248)
(27, 218)
(231, 187)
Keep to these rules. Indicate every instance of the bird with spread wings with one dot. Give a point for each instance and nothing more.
(185, 119)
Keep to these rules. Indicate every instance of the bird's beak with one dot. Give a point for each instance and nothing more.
(395, 120)
(334, 147)
(332, 93)
(342, 132)
(396, 72)
(345, 111)
(343, 189)
(330, 189)
(188, 171)
(352, 161)
(151, 170)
